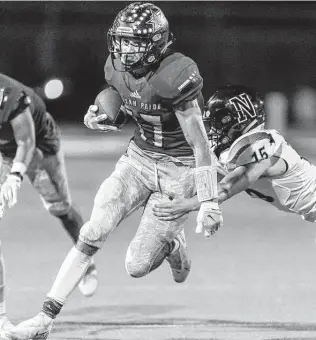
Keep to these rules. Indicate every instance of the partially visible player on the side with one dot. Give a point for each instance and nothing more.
(161, 90)
(30, 145)
(252, 158)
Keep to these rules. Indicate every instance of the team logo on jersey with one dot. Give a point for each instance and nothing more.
(135, 95)
(243, 106)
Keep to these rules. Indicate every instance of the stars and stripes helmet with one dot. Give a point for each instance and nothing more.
(147, 27)
(230, 112)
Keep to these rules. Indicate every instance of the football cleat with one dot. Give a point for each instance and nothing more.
(89, 283)
(37, 328)
(178, 259)
(5, 323)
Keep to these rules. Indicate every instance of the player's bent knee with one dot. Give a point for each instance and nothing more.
(137, 270)
(135, 266)
(92, 234)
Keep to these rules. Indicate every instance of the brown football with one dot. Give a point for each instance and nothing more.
(109, 102)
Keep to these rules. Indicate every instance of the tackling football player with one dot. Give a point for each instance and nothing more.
(161, 90)
(30, 145)
(251, 158)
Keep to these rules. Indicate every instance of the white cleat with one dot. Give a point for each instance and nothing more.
(89, 283)
(179, 260)
(5, 323)
(37, 328)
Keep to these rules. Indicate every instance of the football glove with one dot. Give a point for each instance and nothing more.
(209, 218)
(91, 120)
(9, 190)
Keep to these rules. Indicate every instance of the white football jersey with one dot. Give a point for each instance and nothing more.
(294, 190)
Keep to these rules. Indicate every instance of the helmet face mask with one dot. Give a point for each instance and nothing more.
(231, 112)
(138, 37)
(130, 51)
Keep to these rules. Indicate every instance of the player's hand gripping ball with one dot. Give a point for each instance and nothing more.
(106, 113)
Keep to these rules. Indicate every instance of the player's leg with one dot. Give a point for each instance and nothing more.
(48, 175)
(118, 195)
(177, 180)
(5, 169)
(156, 240)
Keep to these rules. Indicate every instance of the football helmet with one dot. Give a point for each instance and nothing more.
(138, 37)
(232, 111)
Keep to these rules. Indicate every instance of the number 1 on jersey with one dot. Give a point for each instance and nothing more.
(156, 122)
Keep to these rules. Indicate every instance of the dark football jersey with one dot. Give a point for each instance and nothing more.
(152, 100)
(14, 98)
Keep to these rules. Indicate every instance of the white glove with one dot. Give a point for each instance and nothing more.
(209, 218)
(9, 191)
(91, 120)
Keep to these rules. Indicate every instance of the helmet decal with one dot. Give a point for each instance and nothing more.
(229, 113)
(138, 36)
(243, 107)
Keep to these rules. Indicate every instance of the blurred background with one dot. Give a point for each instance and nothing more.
(268, 45)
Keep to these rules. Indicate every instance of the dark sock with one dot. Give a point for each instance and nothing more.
(51, 307)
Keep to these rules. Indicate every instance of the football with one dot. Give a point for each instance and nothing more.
(110, 103)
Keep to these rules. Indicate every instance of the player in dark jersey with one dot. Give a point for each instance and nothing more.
(161, 90)
(30, 145)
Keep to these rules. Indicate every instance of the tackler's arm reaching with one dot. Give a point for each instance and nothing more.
(233, 183)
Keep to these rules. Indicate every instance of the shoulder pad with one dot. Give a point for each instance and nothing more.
(108, 70)
(180, 78)
(252, 147)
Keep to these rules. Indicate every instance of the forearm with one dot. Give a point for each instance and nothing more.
(25, 151)
(24, 135)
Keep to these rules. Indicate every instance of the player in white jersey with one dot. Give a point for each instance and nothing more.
(251, 158)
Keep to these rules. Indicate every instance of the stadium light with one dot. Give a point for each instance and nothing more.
(53, 89)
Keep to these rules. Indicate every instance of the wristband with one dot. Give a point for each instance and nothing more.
(19, 167)
(17, 174)
(206, 183)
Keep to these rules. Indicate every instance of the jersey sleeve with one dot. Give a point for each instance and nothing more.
(180, 81)
(251, 148)
(187, 85)
(13, 101)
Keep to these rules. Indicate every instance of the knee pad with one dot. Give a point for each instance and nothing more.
(91, 234)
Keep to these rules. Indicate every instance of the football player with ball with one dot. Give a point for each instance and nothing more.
(161, 90)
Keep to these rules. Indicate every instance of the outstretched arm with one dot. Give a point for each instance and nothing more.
(233, 183)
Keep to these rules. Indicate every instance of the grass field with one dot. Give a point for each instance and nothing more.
(255, 279)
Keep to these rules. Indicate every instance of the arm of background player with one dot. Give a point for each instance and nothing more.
(24, 134)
